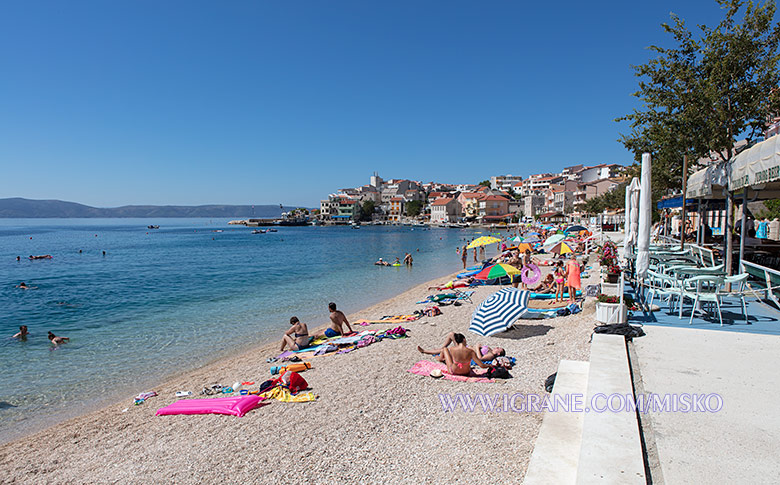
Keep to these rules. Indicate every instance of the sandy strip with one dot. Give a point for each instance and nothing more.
(373, 423)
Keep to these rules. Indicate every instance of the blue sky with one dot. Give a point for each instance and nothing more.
(189, 102)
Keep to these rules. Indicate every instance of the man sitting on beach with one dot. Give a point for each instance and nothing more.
(297, 338)
(459, 357)
(546, 286)
(337, 319)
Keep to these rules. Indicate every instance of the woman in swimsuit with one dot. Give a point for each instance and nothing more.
(573, 277)
(459, 357)
(559, 280)
(297, 338)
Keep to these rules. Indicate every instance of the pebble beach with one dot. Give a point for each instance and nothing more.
(373, 421)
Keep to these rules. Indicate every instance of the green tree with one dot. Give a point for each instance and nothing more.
(772, 210)
(700, 95)
(485, 183)
(367, 210)
(413, 208)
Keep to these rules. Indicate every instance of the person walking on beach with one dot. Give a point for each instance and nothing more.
(297, 338)
(22, 333)
(58, 340)
(337, 320)
(573, 277)
(463, 255)
(527, 260)
(475, 255)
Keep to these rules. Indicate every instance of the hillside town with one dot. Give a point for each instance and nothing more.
(547, 197)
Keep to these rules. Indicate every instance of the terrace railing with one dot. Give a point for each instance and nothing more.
(767, 279)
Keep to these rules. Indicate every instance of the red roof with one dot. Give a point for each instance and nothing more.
(397, 199)
(444, 201)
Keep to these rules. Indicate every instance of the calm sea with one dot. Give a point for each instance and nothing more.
(164, 301)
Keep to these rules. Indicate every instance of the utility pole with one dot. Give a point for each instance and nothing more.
(684, 188)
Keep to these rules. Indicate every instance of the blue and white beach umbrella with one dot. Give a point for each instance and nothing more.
(499, 311)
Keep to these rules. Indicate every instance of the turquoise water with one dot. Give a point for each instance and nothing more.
(164, 301)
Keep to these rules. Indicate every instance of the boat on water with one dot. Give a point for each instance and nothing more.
(355, 225)
(259, 231)
(151, 226)
(273, 230)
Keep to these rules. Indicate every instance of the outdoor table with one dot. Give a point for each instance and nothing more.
(683, 272)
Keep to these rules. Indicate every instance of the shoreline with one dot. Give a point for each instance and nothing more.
(126, 393)
(366, 389)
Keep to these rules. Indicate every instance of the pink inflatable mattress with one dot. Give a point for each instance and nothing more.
(237, 406)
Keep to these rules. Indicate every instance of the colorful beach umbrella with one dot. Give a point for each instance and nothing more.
(496, 271)
(516, 239)
(483, 241)
(562, 248)
(532, 239)
(554, 239)
(575, 229)
(523, 246)
(499, 311)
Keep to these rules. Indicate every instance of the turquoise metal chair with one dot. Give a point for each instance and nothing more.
(740, 281)
(703, 289)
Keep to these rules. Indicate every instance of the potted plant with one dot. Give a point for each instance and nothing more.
(607, 306)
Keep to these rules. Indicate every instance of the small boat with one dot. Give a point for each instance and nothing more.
(273, 230)
(355, 225)
(151, 226)
(259, 231)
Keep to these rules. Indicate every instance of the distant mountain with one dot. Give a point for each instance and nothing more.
(18, 207)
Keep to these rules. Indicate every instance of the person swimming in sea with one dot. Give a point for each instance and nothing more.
(58, 340)
(23, 286)
(381, 262)
(22, 333)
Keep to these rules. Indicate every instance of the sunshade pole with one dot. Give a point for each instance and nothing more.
(684, 195)
(742, 231)
(727, 239)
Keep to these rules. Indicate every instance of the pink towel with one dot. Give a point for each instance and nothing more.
(424, 368)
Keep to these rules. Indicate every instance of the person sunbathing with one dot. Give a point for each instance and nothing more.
(458, 358)
(546, 286)
(337, 320)
(486, 353)
(58, 340)
(297, 338)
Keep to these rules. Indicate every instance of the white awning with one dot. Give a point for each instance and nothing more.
(708, 183)
(756, 166)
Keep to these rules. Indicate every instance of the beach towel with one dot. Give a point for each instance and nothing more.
(424, 368)
(236, 406)
(283, 394)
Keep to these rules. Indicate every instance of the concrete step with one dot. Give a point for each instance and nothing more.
(611, 450)
(557, 448)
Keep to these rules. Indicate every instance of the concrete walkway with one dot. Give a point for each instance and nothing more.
(741, 442)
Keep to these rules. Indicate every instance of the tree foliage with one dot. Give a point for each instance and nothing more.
(413, 208)
(485, 183)
(367, 210)
(699, 96)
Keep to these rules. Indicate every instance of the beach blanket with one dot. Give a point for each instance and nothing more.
(390, 319)
(424, 368)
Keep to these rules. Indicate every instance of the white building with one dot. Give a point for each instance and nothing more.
(445, 210)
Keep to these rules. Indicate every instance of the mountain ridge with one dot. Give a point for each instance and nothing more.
(18, 207)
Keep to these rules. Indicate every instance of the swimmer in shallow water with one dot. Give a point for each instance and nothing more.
(23, 286)
(58, 340)
(23, 333)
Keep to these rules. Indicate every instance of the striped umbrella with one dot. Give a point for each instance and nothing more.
(554, 239)
(483, 241)
(496, 271)
(562, 248)
(499, 311)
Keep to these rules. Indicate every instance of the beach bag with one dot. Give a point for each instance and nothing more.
(550, 382)
(592, 290)
(293, 381)
(574, 308)
(498, 373)
(624, 329)
(563, 312)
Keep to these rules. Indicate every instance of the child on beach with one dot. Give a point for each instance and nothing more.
(464, 255)
(527, 259)
(559, 280)
(573, 277)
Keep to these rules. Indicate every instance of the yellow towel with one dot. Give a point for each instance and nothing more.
(283, 394)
